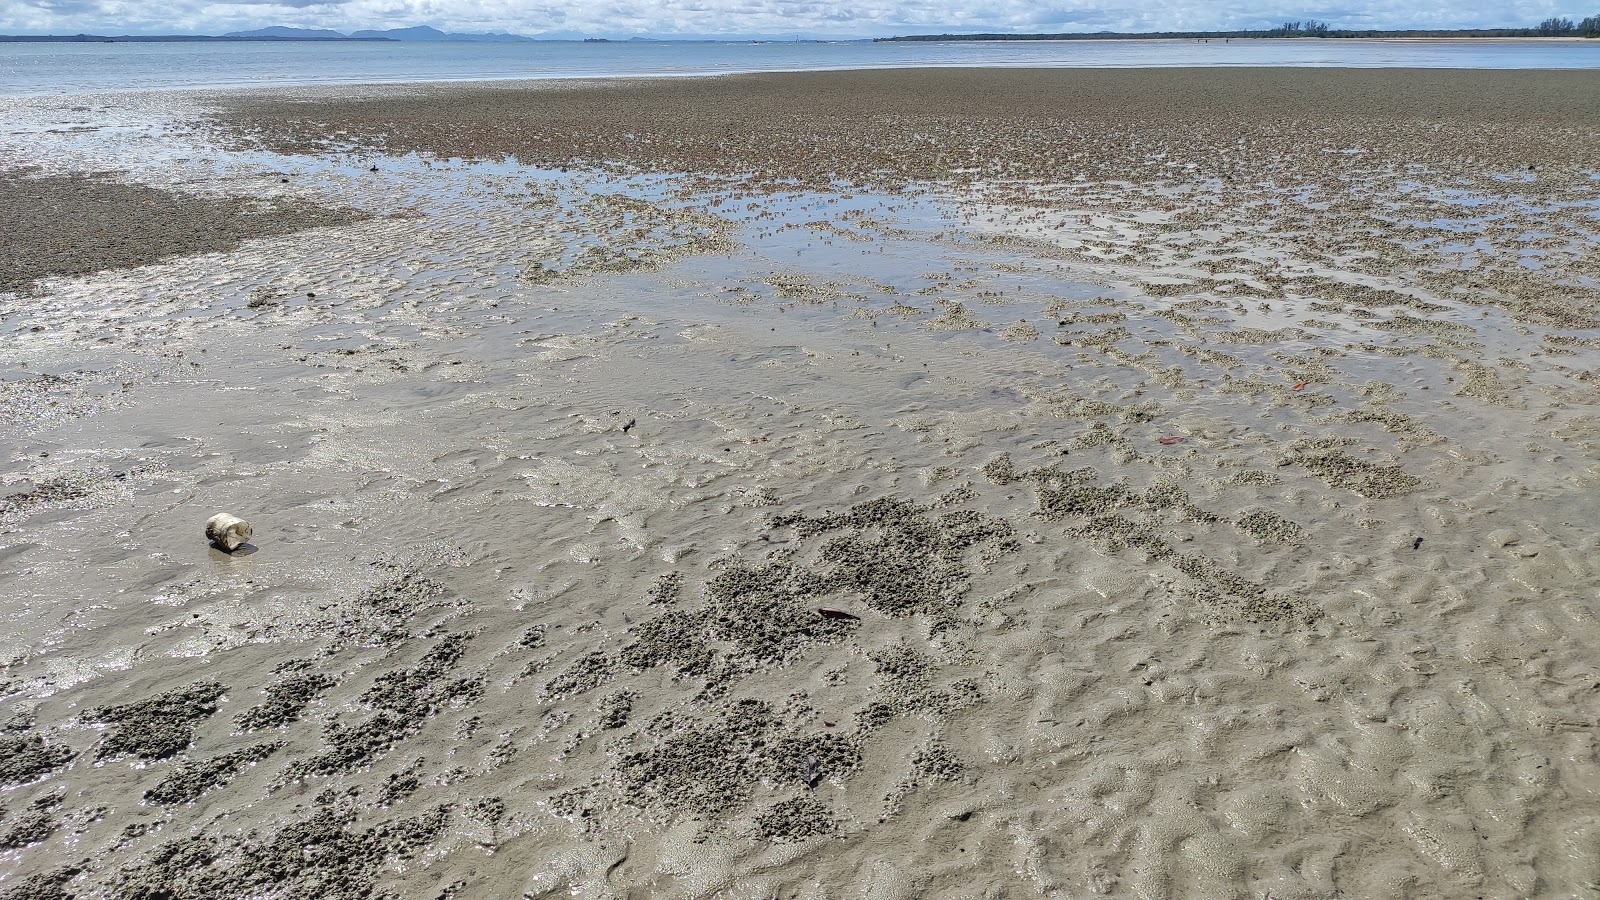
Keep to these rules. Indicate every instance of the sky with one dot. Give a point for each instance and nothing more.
(808, 18)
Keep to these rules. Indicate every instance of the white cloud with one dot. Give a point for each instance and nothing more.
(808, 17)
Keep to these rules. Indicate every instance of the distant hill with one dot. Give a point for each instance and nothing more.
(264, 35)
(296, 34)
(426, 33)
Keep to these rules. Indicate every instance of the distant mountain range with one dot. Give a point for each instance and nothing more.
(425, 33)
(416, 33)
(294, 34)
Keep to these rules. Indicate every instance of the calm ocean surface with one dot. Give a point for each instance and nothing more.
(74, 68)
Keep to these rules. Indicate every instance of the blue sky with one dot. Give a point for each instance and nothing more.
(860, 18)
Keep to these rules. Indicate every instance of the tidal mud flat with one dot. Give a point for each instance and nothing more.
(897, 484)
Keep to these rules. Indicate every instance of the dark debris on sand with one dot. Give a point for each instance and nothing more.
(323, 856)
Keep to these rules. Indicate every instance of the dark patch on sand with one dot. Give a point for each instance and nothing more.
(616, 709)
(763, 611)
(31, 826)
(1122, 518)
(160, 726)
(960, 124)
(48, 491)
(78, 224)
(710, 768)
(285, 701)
(666, 589)
(889, 555)
(677, 638)
(83, 489)
(589, 672)
(402, 701)
(706, 769)
(900, 559)
(28, 757)
(50, 885)
(796, 820)
(322, 856)
(905, 687)
(799, 757)
(1267, 526)
(191, 779)
(937, 762)
(885, 557)
(1341, 470)
(384, 609)
(400, 785)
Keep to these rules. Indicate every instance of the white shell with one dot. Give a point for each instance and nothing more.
(228, 531)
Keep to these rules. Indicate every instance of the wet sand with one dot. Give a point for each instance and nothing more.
(893, 484)
(78, 224)
(1055, 123)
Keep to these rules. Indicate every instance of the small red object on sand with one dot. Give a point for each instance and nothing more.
(1169, 441)
(1300, 386)
(831, 613)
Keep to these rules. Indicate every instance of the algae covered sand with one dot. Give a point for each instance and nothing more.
(1028, 493)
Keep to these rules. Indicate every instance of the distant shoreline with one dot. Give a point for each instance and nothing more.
(1519, 35)
(178, 39)
(1466, 35)
(1381, 39)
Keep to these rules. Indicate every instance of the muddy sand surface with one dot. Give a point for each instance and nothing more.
(78, 224)
(931, 484)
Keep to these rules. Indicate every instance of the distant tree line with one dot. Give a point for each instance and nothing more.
(1552, 27)
(1312, 28)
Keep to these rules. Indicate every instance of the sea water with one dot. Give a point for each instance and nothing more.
(39, 68)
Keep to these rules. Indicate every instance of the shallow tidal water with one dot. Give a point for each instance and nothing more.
(641, 535)
(55, 69)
